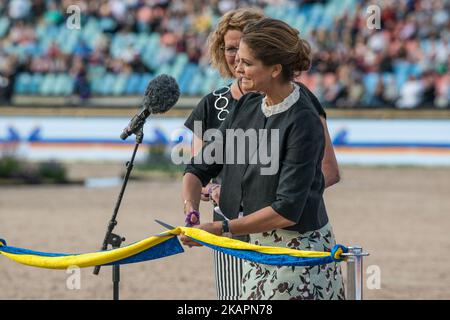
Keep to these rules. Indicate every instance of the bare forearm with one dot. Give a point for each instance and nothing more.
(331, 175)
(263, 220)
(196, 145)
(192, 188)
(330, 167)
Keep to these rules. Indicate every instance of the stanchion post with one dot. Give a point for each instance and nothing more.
(355, 273)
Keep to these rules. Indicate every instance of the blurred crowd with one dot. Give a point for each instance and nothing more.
(405, 63)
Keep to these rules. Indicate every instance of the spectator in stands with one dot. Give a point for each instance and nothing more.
(81, 84)
(443, 99)
(19, 9)
(335, 94)
(53, 15)
(377, 100)
(82, 49)
(355, 92)
(390, 92)
(7, 80)
(411, 93)
(429, 89)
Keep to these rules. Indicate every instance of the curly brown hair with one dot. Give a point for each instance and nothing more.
(232, 20)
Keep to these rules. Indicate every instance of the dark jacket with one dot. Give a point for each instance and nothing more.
(295, 190)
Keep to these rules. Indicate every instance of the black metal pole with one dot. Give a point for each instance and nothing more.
(113, 239)
(116, 280)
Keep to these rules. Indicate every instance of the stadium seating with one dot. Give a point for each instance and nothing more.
(120, 60)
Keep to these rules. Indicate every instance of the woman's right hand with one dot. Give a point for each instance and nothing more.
(211, 192)
(215, 194)
(205, 193)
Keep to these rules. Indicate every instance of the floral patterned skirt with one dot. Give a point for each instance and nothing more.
(265, 282)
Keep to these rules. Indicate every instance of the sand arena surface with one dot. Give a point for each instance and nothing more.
(399, 215)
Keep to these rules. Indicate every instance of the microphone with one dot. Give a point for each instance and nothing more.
(162, 93)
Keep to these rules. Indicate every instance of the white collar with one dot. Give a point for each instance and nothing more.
(284, 105)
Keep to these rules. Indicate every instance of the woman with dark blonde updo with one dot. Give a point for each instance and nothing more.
(211, 111)
(284, 208)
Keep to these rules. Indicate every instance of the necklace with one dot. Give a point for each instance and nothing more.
(221, 95)
(239, 86)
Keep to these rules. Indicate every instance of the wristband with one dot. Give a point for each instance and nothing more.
(188, 222)
(226, 228)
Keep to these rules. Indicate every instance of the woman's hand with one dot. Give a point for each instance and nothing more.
(211, 192)
(192, 215)
(205, 196)
(215, 194)
(211, 227)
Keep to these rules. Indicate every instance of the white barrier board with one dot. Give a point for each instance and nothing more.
(357, 141)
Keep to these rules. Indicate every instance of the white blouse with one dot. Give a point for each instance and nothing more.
(284, 105)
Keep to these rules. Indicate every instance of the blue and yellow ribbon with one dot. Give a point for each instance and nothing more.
(162, 246)
(262, 254)
(147, 249)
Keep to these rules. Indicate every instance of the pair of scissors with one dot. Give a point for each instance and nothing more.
(165, 225)
(170, 227)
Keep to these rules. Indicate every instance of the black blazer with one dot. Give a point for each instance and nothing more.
(295, 190)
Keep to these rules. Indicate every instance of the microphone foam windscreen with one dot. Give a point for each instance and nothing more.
(162, 93)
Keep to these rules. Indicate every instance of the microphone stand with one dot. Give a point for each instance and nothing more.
(112, 239)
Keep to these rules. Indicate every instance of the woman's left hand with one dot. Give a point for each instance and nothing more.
(211, 227)
(215, 194)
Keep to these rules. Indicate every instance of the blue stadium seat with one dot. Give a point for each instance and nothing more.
(415, 70)
(95, 81)
(209, 81)
(48, 84)
(388, 77)
(195, 86)
(120, 84)
(36, 80)
(68, 85)
(4, 26)
(370, 81)
(63, 85)
(68, 41)
(165, 68)
(425, 45)
(186, 77)
(106, 86)
(33, 50)
(150, 50)
(91, 28)
(145, 79)
(133, 83)
(305, 9)
(179, 65)
(107, 23)
(58, 88)
(141, 41)
(23, 83)
(402, 71)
